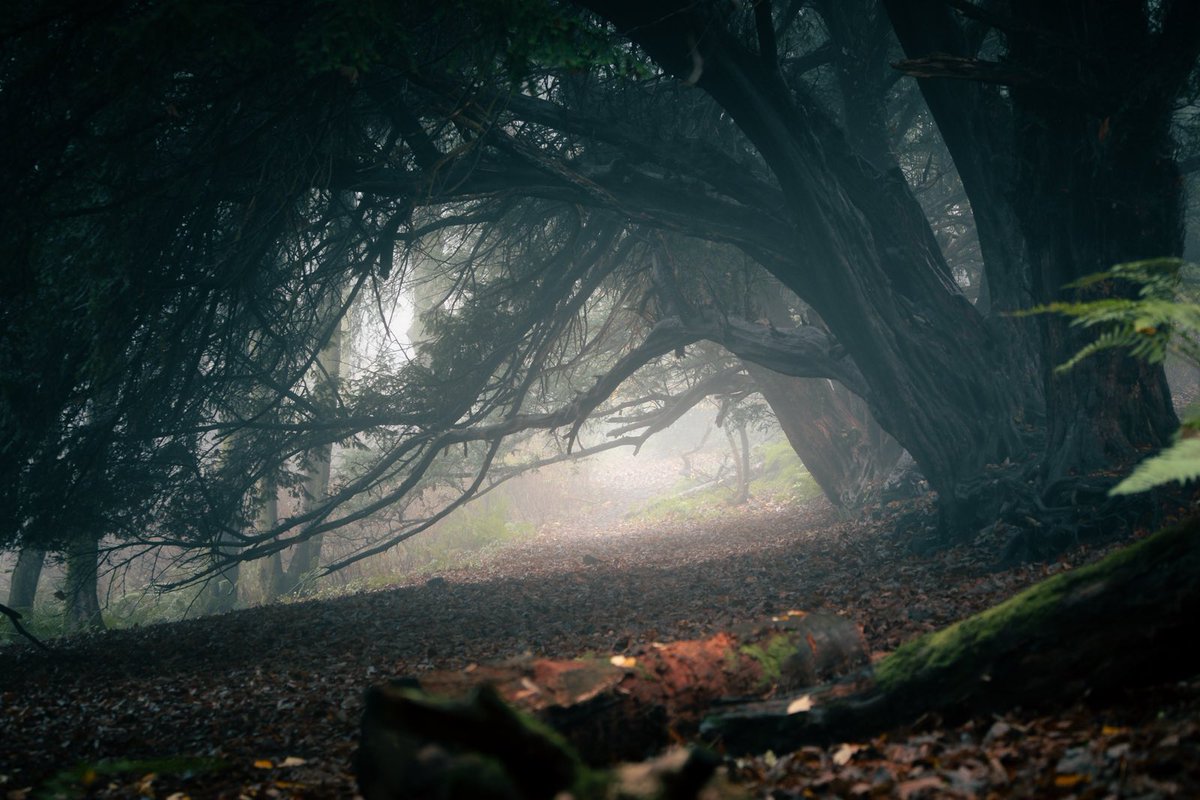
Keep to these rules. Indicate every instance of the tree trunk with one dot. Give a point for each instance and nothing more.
(1119, 623)
(28, 571)
(268, 517)
(221, 590)
(82, 612)
(1099, 186)
(306, 555)
(740, 449)
(833, 433)
(866, 261)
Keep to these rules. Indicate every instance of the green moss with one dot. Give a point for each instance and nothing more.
(1019, 615)
(771, 655)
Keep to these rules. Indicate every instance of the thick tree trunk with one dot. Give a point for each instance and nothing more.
(82, 612)
(25, 577)
(866, 261)
(1122, 622)
(833, 433)
(1098, 186)
(1082, 163)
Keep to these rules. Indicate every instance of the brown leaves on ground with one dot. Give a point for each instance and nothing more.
(286, 682)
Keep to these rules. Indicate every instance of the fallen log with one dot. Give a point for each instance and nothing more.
(534, 728)
(630, 707)
(1125, 621)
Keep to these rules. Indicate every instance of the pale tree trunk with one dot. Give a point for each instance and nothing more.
(306, 555)
(740, 447)
(25, 577)
(82, 587)
(221, 591)
(268, 518)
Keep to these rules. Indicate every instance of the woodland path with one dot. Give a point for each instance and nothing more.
(276, 692)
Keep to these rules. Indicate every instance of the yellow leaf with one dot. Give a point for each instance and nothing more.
(1112, 730)
(263, 763)
(845, 753)
(625, 662)
(1069, 780)
(800, 704)
(88, 777)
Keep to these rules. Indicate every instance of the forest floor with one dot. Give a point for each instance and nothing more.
(275, 693)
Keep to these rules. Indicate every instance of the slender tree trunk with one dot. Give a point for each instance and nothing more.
(740, 448)
(25, 577)
(306, 556)
(268, 518)
(82, 587)
(221, 590)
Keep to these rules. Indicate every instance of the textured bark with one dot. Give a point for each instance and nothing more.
(1099, 186)
(81, 589)
(25, 577)
(1102, 628)
(870, 267)
(833, 433)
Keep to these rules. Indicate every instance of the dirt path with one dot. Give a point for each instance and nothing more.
(258, 687)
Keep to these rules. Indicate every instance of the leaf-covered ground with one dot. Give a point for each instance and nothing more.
(274, 694)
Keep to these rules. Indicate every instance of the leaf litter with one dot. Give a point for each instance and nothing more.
(274, 694)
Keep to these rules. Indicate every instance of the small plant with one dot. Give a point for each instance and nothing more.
(1163, 318)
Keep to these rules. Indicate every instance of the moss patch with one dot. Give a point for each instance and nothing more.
(1019, 616)
(771, 656)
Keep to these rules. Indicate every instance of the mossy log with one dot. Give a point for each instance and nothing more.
(1125, 621)
(629, 707)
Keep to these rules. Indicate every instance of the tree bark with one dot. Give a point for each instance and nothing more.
(866, 261)
(1099, 186)
(25, 577)
(82, 612)
(833, 433)
(1115, 624)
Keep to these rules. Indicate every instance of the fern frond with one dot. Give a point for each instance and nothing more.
(1179, 462)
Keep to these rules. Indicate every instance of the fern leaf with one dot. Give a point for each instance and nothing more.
(1179, 462)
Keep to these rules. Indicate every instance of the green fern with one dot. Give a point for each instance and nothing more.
(1164, 317)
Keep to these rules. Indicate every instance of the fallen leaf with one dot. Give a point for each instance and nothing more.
(292, 761)
(800, 704)
(845, 753)
(909, 788)
(1069, 781)
(263, 763)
